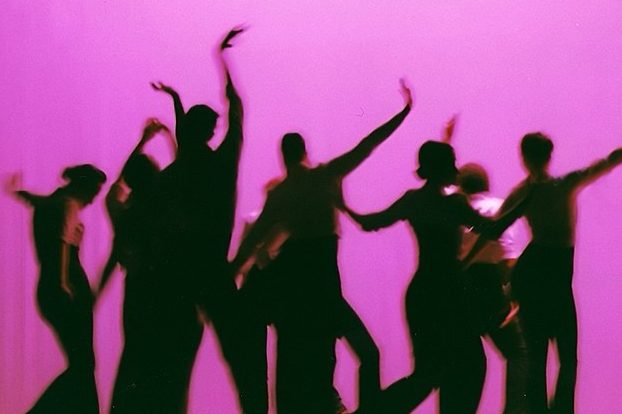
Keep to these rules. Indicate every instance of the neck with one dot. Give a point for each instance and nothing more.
(434, 186)
(538, 176)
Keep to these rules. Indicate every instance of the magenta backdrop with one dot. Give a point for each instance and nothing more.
(75, 89)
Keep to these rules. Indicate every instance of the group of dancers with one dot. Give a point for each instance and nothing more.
(172, 230)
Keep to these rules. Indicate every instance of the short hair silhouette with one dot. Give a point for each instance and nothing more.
(536, 149)
(437, 161)
(199, 124)
(84, 181)
(473, 179)
(140, 171)
(293, 148)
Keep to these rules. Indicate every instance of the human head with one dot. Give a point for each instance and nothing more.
(536, 149)
(437, 162)
(198, 125)
(473, 179)
(140, 172)
(293, 149)
(84, 182)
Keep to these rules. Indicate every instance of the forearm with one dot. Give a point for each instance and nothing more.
(373, 221)
(385, 130)
(347, 162)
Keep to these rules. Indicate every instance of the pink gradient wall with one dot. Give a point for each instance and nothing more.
(75, 89)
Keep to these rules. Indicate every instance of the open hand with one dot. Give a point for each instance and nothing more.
(152, 127)
(449, 129)
(159, 86)
(13, 183)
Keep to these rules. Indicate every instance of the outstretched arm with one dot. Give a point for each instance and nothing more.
(233, 139)
(177, 105)
(347, 162)
(381, 219)
(12, 187)
(596, 170)
(448, 131)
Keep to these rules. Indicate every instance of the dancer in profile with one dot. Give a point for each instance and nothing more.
(63, 293)
(196, 206)
(447, 351)
(542, 277)
(488, 289)
(130, 207)
(311, 313)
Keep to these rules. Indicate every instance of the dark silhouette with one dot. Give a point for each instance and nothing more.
(447, 350)
(129, 203)
(494, 314)
(196, 205)
(304, 293)
(63, 293)
(542, 277)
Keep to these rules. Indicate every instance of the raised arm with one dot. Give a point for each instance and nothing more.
(449, 129)
(347, 162)
(233, 139)
(596, 170)
(376, 221)
(177, 105)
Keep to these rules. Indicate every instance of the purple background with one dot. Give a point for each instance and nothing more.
(75, 89)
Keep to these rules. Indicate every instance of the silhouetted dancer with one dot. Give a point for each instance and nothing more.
(542, 277)
(448, 352)
(487, 280)
(63, 293)
(130, 203)
(310, 309)
(197, 195)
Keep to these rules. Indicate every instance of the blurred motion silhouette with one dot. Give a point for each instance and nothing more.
(196, 206)
(542, 277)
(64, 295)
(299, 218)
(129, 203)
(447, 349)
(494, 314)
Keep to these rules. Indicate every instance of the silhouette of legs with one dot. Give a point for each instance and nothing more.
(489, 308)
(510, 342)
(241, 331)
(74, 391)
(542, 281)
(448, 352)
(363, 345)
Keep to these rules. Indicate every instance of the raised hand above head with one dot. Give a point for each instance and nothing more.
(406, 92)
(226, 42)
(616, 156)
(159, 86)
(152, 127)
(448, 131)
